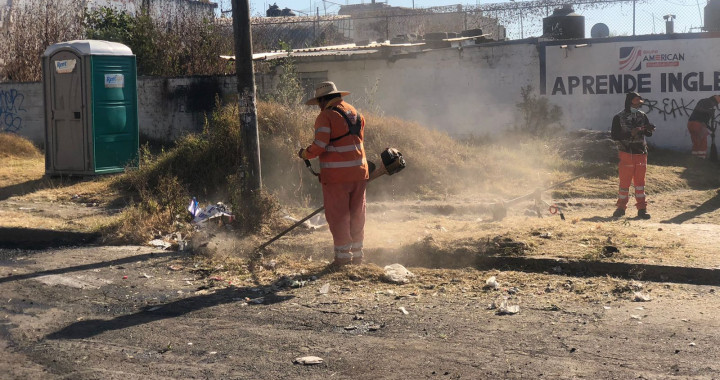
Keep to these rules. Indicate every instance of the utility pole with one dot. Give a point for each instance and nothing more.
(250, 154)
(634, 17)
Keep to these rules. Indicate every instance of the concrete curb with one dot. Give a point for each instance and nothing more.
(580, 268)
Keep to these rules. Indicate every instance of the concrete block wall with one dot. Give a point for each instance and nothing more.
(167, 107)
(22, 110)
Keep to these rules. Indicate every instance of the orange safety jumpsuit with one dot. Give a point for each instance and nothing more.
(632, 149)
(700, 119)
(343, 175)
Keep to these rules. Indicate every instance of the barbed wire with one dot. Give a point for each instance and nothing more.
(501, 21)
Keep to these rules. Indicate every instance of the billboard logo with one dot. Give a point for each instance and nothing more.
(630, 58)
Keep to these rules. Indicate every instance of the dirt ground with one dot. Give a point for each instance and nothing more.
(91, 311)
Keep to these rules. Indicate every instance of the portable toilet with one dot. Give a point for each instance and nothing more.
(91, 122)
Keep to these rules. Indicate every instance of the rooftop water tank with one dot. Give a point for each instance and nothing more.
(712, 16)
(599, 30)
(564, 24)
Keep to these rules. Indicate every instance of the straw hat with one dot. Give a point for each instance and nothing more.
(325, 88)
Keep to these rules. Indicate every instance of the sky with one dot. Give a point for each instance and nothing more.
(648, 14)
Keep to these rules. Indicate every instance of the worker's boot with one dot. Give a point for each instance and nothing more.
(341, 259)
(642, 214)
(357, 258)
(619, 212)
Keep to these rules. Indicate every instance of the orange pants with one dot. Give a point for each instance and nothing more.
(698, 134)
(345, 214)
(632, 168)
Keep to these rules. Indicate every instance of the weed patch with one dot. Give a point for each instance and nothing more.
(17, 146)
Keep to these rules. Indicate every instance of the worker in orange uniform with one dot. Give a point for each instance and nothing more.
(699, 124)
(339, 133)
(629, 129)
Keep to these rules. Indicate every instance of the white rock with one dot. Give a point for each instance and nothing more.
(641, 297)
(505, 308)
(308, 360)
(398, 274)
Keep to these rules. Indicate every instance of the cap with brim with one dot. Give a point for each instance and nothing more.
(324, 89)
(633, 95)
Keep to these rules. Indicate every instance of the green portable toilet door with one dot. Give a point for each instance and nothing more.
(114, 112)
(68, 138)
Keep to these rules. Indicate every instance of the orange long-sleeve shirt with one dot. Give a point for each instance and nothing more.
(342, 160)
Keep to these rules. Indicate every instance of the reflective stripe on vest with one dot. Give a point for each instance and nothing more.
(346, 148)
(322, 129)
(342, 164)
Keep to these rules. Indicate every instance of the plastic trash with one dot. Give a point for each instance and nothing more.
(193, 207)
(491, 283)
(202, 215)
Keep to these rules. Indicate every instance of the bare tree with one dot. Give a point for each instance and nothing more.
(33, 26)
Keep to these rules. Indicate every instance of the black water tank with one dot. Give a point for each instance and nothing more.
(287, 12)
(564, 24)
(273, 11)
(712, 16)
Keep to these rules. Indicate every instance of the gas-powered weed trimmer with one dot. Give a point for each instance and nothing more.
(392, 162)
(499, 210)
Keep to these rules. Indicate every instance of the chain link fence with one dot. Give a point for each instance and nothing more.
(498, 21)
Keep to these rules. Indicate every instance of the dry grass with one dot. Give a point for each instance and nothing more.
(444, 194)
(17, 146)
(20, 161)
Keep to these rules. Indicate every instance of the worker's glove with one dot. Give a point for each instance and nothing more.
(302, 154)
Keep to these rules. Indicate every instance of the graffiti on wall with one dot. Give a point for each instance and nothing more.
(11, 109)
(672, 108)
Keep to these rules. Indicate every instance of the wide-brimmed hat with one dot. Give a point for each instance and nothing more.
(325, 88)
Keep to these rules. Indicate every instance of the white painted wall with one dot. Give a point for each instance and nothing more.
(468, 91)
(158, 8)
(475, 89)
(652, 61)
